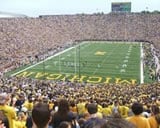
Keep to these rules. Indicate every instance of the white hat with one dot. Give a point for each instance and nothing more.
(24, 109)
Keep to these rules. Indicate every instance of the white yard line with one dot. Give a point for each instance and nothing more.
(42, 61)
(141, 65)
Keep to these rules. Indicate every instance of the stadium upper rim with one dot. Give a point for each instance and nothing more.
(11, 15)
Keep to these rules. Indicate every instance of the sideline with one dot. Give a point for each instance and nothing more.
(42, 61)
(141, 65)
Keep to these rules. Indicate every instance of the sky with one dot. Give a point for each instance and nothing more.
(34, 8)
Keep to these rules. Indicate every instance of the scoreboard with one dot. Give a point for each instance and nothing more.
(121, 7)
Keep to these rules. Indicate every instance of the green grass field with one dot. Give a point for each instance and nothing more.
(91, 61)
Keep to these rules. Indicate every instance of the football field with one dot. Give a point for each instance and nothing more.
(91, 62)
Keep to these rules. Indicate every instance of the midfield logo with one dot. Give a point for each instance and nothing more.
(99, 53)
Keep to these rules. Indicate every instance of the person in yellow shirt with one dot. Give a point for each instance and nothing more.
(124, 110)
(29, 104)
(21, 121)
(137, 119)
(152, 121)
(51, 104)
(8, 110)
(3, 120)
(81, 108)
(73, 106)
(106, 111)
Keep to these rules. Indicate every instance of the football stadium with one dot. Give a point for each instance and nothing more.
(90, 61)
(87, 68)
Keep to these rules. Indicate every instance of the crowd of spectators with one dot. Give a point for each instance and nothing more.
(23, 94)
(26, 40)
(151, 60)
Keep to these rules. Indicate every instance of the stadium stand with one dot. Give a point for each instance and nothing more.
(50, 92)
(25, 39)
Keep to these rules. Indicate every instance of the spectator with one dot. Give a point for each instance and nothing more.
(65, 124)
(95, 123)
(8, 110)
(137, 119)
(117, 122)
(106, 111)
(63, 114)
(157, 117)
(81, 122)
(41, 115)
(3, 120)
(115, 108)
(124, 110)
(93, 111)
(152, 121)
